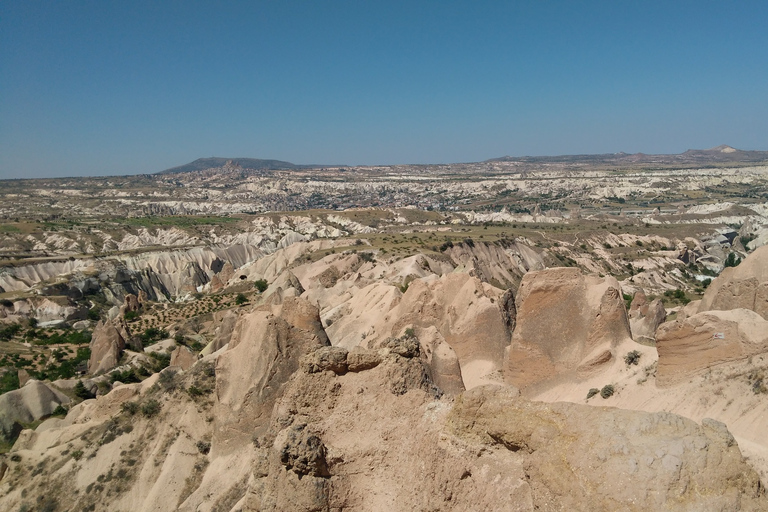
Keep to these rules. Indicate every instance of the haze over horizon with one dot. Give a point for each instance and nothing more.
(96, 88)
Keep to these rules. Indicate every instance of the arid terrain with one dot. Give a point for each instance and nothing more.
(552, 333)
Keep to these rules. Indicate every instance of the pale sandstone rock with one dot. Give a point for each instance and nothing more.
(107, 344)
(264, 352)
(566, 323)
(745, 286)
(697, 343)
(588, 458)
(183, 357)
(645, 317)
(31, 402)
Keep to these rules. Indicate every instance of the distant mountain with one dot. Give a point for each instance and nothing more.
(719, 154)
(202, 164)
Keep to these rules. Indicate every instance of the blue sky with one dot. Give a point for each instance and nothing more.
(108, 87)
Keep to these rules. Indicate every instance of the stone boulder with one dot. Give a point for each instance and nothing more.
(566, 323)
(692, 345)
(744, 286)
(645, 317)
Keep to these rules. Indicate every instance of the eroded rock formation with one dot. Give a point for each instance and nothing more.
(566, 322)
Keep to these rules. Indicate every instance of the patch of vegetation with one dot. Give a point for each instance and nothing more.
(130, 408)
(160, 360)
(40, 337)
(63, 368)
(607, 391)
(8, 332)
(82, 392)
(9, 381)
(676, 296)
(150, 408)
(732, 260)
(592, 392)
(203, 447)
(180, 221)
(632, 357)
(261, 285)
(152, 335)
(125, 376)
(240, 299)
(746, 239)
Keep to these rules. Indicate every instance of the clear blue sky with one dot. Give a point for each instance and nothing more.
(108, 87)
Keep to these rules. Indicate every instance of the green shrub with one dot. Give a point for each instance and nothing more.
(203, 447)
(159, 360)
(82, 392)
(59, 411)
(8, 332)
(632, 357)
(732, 260)
(240, 299)
(606, 391)
(130, 407)
(150, 408)
(592, 392)
(153, 335)
(131, 315)
(125, 376)
(9, 381)
(261, 285)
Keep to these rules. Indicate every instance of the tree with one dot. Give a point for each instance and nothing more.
(732, 260)
(82, 392)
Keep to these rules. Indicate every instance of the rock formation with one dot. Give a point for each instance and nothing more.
(281, 420)
(31, 402)
(566, 322)
(704, 340)
(109, 339)
(645, 317)
(744, 286)
(183, 357)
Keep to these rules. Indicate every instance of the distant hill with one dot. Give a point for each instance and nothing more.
(719, 154)
(244, 163)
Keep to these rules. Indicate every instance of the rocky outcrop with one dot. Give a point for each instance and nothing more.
(183, 357)
(585, 458)
(566, 323)
(33, 401)
(109, 339)
(697, 343)
(264, 352)
(645, 317)
(465, 312)
(291, 429)
(744, 286)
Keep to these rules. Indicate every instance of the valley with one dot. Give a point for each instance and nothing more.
(583, 332)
